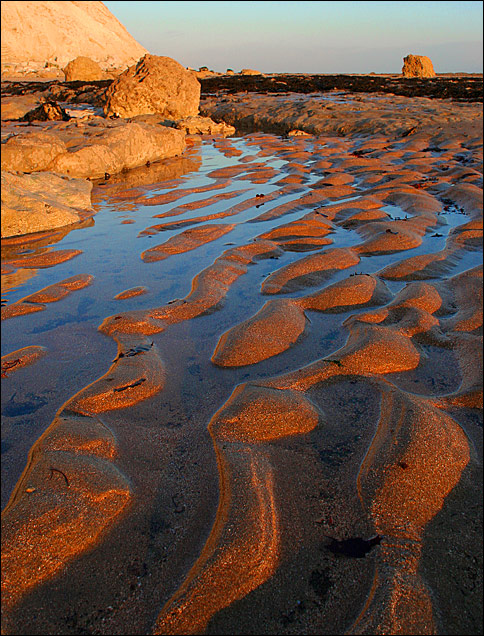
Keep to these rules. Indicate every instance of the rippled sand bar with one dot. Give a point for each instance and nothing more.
(279, 428)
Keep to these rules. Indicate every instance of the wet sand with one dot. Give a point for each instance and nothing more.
(279, 428)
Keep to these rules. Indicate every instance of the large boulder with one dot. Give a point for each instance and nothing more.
(154, 85)
(42, 201)
(417, 66)
(36, 33)
(83, 69)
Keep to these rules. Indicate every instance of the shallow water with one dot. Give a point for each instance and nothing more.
(124, 227)
(111, 253)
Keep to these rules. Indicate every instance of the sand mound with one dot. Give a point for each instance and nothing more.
(69, 494)
(11, 362)
(275, 328)
(186, 241)
(354, 291)
(308, 271)
(52, 293)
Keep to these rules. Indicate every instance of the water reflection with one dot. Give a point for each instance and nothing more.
(134, 185)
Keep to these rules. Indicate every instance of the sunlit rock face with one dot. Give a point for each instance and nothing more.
(156, 84)
(102, 149)
(33, 203)
(36, 33)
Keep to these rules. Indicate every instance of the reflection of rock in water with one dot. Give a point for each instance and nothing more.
(147, 178)
(36, 244)
(16, 279)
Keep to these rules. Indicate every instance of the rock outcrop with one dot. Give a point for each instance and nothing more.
(42, 201)
(31, 151)
(417, 66)
(203, 74)
(17, 106)
(155, 84)
(109, 147)
(120, 148)
(36, 34)
(83, 69)
(49, 111)
(398, 117)
(204, 126)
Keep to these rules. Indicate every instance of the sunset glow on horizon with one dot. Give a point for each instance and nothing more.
(308, 37)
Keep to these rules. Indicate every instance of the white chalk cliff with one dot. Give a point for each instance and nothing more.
(34, 33)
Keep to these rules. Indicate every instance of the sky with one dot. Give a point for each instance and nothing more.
(308, 37)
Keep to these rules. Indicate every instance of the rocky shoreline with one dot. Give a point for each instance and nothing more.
(467, 88)
(459, 87)
(91, 144)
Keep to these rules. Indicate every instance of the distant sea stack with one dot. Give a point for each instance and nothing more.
(417, 66)
(36, 35)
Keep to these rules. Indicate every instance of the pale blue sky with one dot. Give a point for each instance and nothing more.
(308, 37)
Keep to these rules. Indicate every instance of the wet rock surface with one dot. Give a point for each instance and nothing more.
(459, 87)
(339, 113)
(75, 91)
(49, 111)
(196, 125)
